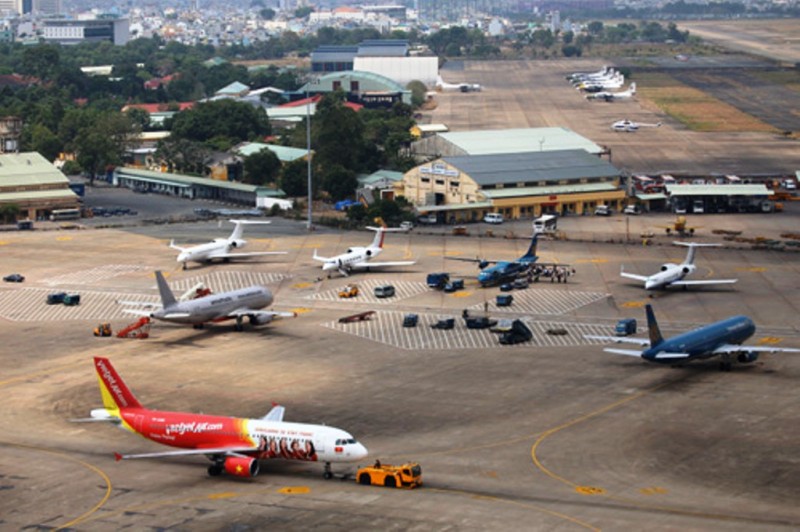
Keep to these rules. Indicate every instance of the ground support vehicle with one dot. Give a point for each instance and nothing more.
(519, 333)
(348, 291)
(403, 476)
(139, 329)
(454, 286)
(14, 278)
(384, 291)
(444, 323)
(70, 300)
(103, 329)
(481, 322)
(361, 316)
(504, 300)
(410, 320)
(625, 326)
(56, 298)
(438, 280)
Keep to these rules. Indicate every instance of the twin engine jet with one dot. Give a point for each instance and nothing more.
(611, 96)
(233, 305)
(220, 248)
(360, 258)
(234, 445)
(673, 274)
(719, 339)
(462, 87)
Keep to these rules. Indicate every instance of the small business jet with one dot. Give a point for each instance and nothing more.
(672, 274)
(220, 248)
(233, 305)
(360, 258)
(603, 72)
(630, 126)
(234, 445)
(719, 339)
(442, 85)
(616, 81)
(611, 96)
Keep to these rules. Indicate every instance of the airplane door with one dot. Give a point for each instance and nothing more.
(319, 446)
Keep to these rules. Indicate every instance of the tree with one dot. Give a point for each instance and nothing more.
(103, 142)
(261, 168)
(40, 139)
(233, 120)
(294, 178)
(182, 155)
(418, 92)
(42, 61)
(303, 11)
(267, 13)
(595, 27)
(339, 182)
(567, 37)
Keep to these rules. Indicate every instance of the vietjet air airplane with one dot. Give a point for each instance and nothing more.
(234, 445)
(360, 258)
(673, 274)
(220, 248)
(233, 305)
(719, 339)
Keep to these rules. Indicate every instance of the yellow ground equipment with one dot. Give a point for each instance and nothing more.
(349, 291)
(403, 476)
(104, 329)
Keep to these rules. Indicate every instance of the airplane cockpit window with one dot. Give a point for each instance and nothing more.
(349, 441)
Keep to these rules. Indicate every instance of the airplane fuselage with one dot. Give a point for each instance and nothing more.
(209, 251)
(354, 258)
(284, 440)
(502, 271)
(700, 343)
(670, 274)
(215, 306)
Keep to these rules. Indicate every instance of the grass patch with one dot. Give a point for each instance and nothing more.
(697, 110)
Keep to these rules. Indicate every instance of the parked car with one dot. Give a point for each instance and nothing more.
(429, 219)
(493, 218)
(625, 326)
(520, 284)
(72, 300)
(56, 298)
(406, 226)
(519, 333)
(506, 287)
(14, 278)
(386, 290)
(602, 210)
(481, 322)
(502, 325)
(410, 320)
(504, 300)
(454, 285)
(444, 323)
(631, 209)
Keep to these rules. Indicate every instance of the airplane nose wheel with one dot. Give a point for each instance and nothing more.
(328, 474)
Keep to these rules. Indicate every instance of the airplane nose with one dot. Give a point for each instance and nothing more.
(359, 452)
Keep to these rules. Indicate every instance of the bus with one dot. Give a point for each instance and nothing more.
(545, 223)
(64, 214)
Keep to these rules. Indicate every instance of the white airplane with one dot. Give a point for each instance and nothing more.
(593, 85)
(233, 305)
(603, 72)
(360, 258)
(463, 87)
(631, 126)
(673, 274)
(611, 96)
(220, 248)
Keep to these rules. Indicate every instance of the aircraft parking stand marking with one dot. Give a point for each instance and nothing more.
(403, 290)
(227, 280)
(100, 273)
(534, 300)
(386, 327)
(28, 304)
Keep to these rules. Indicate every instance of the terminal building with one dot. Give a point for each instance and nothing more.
(463, 188)
(75, 31)
(32, 186)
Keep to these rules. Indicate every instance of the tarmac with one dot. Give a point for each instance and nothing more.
(550, 434)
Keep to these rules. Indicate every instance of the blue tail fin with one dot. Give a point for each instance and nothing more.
(167, 297)
(652, 327)
(530, 255)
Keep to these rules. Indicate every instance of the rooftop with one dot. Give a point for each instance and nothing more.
(519, 140)
(27, 169)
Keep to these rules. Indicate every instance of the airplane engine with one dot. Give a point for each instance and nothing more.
(241, 466)
(482, 264)
(687, 269)
(747, 357)
(260, 320)
(369, 253)
(667, 266)
(237, 243)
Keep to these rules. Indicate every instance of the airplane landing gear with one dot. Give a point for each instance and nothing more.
(184, 266)
(214, 470)
(725, 364)
(239, 327)
(328, 474)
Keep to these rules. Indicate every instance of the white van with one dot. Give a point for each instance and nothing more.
(493, 218)
(546, 222)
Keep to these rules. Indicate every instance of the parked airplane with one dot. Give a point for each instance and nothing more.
(603, 72)
(673, 274)
(233, 305)
(615, 81)
(722, 338)
(220, 248)
(611, 96)
(360, 258)
(630, 126)
(463, 87)
(505, 270)
(234, 445)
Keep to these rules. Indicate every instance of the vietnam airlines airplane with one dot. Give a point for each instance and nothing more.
(360, 258)
(220, 248)
(673, 274)
(720, 339)
(234, 445)
(233, 305)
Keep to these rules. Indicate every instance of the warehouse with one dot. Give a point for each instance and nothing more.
(516, 185)
(704, 198)
(33, 187)
(360, 87)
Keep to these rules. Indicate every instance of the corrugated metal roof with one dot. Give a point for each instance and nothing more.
(379, 175)
(548, 191)
(519, 140)
(651, 197)
(718, 190)
(353, 75)
(284, 153)
(27, 169)
(63, 193)
(455, 206)
(166, 178)
(532, 166)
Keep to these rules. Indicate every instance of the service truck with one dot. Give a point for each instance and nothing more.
(403, 476)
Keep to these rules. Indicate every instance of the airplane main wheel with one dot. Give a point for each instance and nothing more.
(327, 475)
(214, 470)
(364, 479)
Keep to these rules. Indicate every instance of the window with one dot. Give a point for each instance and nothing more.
(440, 182)
(337, 85)
(353, 86)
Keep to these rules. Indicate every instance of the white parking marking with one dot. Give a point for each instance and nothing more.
(29, 304)
(100, 273)
(544, 301)
(227, 280)
(403, 290)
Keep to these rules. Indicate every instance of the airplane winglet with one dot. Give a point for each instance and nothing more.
(118, 457)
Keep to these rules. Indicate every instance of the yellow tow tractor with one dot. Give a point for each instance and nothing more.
(104, 329)
(403, 476)
(348, 291)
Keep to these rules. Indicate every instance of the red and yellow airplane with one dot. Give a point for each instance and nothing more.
(234, 445)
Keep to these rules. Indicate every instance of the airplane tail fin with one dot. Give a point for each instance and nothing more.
(167, 297)
(531, 253)
(173, 246)
(238, 230)
(116, 394)
(633, 88)
(652, 327)
(380, 233)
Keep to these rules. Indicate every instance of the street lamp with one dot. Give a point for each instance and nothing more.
(309, 226)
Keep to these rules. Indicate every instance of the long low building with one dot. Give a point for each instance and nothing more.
(517, 185)
(33, 186)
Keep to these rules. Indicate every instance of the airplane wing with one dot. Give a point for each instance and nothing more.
(382, 264)
(276, 414)
(478, 261)
(187, 452)
(240, 313)
(619, 339)
(242, 255)
(727, 349)
(626, 352)
(137, 312)
(701, 282)
(144, 304)
(667, 355)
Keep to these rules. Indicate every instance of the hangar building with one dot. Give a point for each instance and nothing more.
(372, 90)
(32, 184)
(463, 188)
